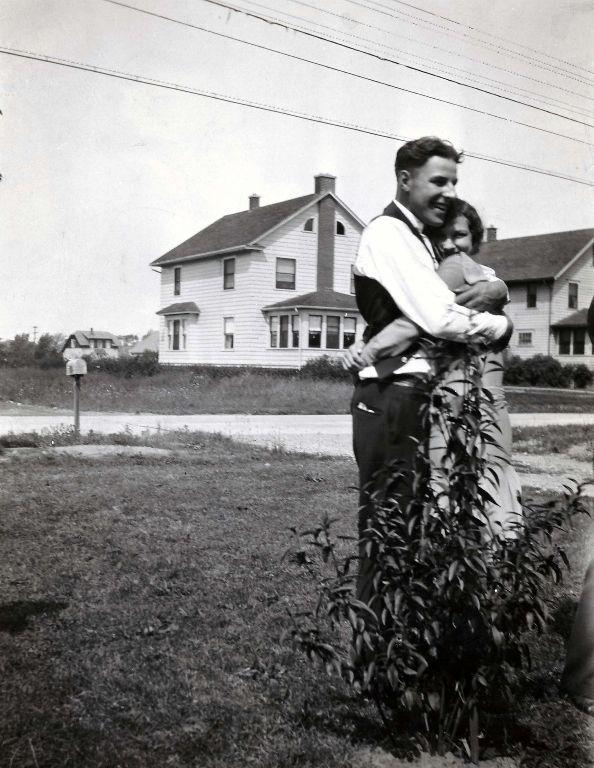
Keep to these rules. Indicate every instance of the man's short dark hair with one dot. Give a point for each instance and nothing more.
(415, 153)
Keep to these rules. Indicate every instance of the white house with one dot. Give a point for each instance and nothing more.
(271, 286)
(94, 342)
(551, 284)
(148, 343)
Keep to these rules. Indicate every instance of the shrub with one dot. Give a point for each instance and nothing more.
(581, 375)
(443, 637)
(537, 371)
(145, 364)
(325, 367)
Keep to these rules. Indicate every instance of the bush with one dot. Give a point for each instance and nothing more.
(145, 364)
(537, 371)
(325, 367)
(581, 375)
(443, 638)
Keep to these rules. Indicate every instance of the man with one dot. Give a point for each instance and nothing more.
(395, 274)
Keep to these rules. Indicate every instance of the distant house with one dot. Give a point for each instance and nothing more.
(94, 342)
(551, 284)
(270, 286)
(148, 343)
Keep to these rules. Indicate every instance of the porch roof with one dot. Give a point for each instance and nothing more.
(324, 298)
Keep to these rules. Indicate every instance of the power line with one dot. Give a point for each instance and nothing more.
(497, 37)
(341, 71)
(548, 67)
(310, 33)
(429, 45)
(117, 74)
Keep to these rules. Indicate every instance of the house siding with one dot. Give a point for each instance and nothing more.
(582, 273)
(345, 250)
(529, 319)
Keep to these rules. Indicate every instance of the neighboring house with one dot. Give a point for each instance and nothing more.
(94, 342)
(551, 284)
(271, 286)
(148, 343)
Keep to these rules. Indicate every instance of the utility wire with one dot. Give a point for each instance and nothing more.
(430, 45)
(279, 22)
(117, 74)
(546, 66)
(497, 37)
(339, 70)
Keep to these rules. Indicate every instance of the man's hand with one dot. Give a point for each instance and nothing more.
(485, 296)
(351, 359)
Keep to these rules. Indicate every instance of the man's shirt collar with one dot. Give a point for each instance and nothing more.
(417, 223)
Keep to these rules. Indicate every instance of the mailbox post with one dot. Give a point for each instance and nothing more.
(76, 368)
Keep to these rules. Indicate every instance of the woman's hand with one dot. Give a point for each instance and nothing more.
(352, 359)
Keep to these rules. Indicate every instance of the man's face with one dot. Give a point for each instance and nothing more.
(430, 188)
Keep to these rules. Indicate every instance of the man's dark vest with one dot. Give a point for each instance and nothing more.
(376, 305)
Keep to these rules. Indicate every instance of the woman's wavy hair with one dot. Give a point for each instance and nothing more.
(475, 224)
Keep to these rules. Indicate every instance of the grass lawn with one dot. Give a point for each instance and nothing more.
(184, 391)
(141, 604)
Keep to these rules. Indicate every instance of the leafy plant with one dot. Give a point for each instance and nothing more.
(443, 637)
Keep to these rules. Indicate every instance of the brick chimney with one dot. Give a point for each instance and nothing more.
(324, 182)
(491, 234)
(254, 201)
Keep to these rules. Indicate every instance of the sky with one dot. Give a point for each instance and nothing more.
(101, 175)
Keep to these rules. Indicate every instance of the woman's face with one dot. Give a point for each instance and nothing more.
(456, 237)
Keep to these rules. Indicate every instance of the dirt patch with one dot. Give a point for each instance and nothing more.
(90, 451)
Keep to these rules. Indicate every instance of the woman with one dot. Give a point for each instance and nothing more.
(459, 239)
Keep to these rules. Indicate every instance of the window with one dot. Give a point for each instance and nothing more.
(565, 341)
(283, 337)
(295, 319)
(229, 331)
(579, 341)
(285, 273)
(524, 338)
(572, 296)
(332, 332)
(228, 274)
(274, 331)
(339, 228)
(314, 340)
(176, 281)
(176, 324)
(169, 334)
(349, 328)
(308, 226)
(352, 279)
(531, 294)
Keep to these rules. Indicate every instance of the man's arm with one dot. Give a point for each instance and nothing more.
(390, 341)
(486, 296)
(390, 254)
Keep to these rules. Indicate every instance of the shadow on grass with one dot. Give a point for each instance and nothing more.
(14, 617)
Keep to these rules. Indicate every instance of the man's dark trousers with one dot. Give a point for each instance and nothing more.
(387, 428)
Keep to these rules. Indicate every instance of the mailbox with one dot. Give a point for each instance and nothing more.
(76, 367)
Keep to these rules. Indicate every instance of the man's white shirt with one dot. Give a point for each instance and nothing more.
(391, 254)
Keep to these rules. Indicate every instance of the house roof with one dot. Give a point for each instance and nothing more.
(236, 231)
(181, 308)
(538, 257)
(83, 337)
(577, 319)
(322, 299)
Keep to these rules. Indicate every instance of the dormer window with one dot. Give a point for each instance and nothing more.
(339, 228)
(308, 226)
